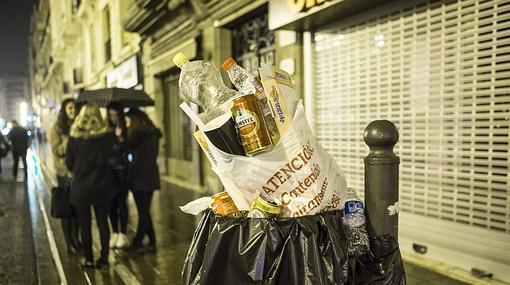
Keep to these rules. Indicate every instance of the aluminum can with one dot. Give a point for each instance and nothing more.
(251, 125)
(223, 205)
(265, 207)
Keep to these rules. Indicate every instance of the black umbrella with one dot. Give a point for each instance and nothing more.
(126, 97)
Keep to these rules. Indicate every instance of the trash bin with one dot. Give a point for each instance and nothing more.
(302, 250)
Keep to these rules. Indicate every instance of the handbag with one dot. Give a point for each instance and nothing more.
(4, 149)
(60, 206)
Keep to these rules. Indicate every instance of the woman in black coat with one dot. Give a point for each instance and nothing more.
(89, 152)
(119, 208)
(143, 173)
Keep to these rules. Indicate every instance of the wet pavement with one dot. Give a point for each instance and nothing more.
(37, 253)
(17, 255)
(420, 276)
(174, 231)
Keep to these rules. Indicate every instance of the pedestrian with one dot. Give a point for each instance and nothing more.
(59, 136)
(89, 151)
(19, 142)
(143, 174)
(119, 208)
(4, 150)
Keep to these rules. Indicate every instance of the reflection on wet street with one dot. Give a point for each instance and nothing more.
(17, 258)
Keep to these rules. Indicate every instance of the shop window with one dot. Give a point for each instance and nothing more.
(253, 43)
(77, 75)
(76, 6)
(106, 34)
(93, 51)
(65, 87)
(178, 126)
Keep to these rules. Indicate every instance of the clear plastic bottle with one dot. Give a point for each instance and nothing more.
(242, 79)
(246, 83)
(200, 82)
(354, 221)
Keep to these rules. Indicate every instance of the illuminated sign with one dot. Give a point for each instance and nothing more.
(125, 75)
(285, 12)
(303, 5)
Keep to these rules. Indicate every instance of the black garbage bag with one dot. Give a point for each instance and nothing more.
(382, 265)
(303, 250)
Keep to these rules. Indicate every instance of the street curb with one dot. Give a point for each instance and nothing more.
(47, 225)
(447, 270)
(37, 262)
(183, 183)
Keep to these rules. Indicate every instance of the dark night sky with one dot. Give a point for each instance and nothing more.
(14, 28)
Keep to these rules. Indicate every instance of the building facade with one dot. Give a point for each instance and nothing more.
(14, 98)
(437, 69)
(77, 45)
(210, 30)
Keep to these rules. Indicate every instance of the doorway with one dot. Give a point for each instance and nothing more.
(181, 150)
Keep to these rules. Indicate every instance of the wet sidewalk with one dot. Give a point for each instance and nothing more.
(17, 255)
(174, 231)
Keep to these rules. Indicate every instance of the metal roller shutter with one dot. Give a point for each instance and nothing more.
(441, 72)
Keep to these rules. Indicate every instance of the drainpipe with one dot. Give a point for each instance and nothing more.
(381, 179)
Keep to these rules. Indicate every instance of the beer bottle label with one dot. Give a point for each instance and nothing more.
(247, 122)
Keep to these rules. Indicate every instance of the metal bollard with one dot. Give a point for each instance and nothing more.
(381, 179)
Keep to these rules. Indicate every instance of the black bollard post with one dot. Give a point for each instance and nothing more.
(381, 179)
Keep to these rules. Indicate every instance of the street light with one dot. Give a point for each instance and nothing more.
(23, 113)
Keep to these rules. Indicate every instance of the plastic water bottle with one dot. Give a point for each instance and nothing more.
(242, 79)
(246, 83)
(200, 82)
(354, 222)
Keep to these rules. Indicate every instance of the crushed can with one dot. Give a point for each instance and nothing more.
(265, 207)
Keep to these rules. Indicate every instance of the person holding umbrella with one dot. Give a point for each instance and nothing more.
(89, 152)
(119, 208)
(59, 136)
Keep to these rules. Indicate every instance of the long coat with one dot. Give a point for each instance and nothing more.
(19, 140)
(58, 141)
(143, 171)
(93, 177)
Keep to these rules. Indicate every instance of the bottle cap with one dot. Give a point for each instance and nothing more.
(353, 206)
(179, 59)
(228, 63)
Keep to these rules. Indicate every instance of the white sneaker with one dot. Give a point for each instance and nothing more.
(122, 241)
(113, 240)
